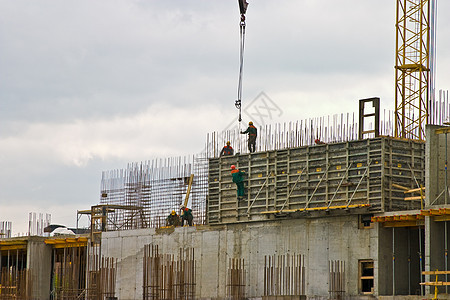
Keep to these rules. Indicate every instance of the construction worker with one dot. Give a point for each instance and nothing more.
(227, 150)
(252, 133)
(238, 178)
(186, 215)
(319, 142)
(173, 219)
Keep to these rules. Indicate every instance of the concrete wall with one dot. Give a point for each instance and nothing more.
(39, 260)
(435, 155)
(319, 240)
(437, 151)
(399, 274)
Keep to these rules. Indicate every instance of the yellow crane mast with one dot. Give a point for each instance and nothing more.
(412, 68)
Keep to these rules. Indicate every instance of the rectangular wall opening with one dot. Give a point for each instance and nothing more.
(366, 278)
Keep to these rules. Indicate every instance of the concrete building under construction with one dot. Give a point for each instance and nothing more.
(335, 220)
(332, 209)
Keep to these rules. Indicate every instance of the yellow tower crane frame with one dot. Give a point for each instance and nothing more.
(412, 68)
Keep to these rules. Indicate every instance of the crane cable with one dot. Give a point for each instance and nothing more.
(238, 103)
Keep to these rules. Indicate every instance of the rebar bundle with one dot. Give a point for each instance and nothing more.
(284, 275)
(82, 273)
(336, 279)
(102, 277)
(236, 279)
(37, 223)
(327, 129)
(5, 229)
(167, 277)
(69, 272)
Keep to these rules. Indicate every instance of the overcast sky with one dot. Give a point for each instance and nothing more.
(90, 85)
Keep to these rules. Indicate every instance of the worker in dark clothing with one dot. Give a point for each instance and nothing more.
(173, 219)
(227, 150)
(238, 178)
(252, 133)
(186, 215)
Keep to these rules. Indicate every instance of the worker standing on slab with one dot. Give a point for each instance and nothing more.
(252, 134)
(173, 219)
(186, 215)
(238, 178)
(227, 150)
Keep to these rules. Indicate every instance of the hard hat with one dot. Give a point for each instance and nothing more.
(228, 143)
(250, 123)
(173, 212)
(233, 167)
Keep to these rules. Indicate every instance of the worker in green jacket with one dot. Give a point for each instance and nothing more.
(186, 215)
(252, 134)
(173, 219)
(238, 178)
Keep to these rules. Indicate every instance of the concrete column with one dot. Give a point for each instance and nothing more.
(39, 261)
(434, 166)
(384, 269)
(437, 150)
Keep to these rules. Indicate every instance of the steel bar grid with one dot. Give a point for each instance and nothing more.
(158, 186)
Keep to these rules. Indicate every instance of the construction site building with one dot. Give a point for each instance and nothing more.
(305, 228)
(355, 219)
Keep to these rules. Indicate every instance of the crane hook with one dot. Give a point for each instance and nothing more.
(243, 9)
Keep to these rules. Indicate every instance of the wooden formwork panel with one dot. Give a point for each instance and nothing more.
(317, 177)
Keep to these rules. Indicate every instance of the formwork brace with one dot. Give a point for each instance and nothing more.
(293, 188)
(359, 183)
(267, 178)
(339, 185)
(419, 186)
(317, 186)
(437, 198)
(191, 179)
